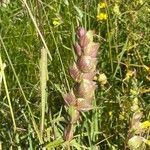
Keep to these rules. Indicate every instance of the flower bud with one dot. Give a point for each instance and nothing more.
(136, 117)
(77, 49)
(136, 123)
(102, 79)
(84, 105)
(136, 143)
(75, 73)
(90, 35)
(91, 49)
(86, 39)
(88, 76)
(70, 99)
(85, 89)
(81, 32)
(86, 64)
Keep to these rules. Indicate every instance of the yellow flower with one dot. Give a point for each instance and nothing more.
(110, 113)
(102, 16)
(147, 142)
(102, 5)
(102, 79)
(129, 74)
(133, 92)
(122, 116)
(56, 22)
(145, 124)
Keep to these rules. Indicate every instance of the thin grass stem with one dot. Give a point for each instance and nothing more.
(7, 94)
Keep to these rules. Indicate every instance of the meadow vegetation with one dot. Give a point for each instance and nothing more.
(36, 50)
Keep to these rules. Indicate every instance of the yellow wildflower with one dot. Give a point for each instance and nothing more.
(102, 5)
(56, 22)
(110, 113)
(102, 16)
(129, 74)
(147, 142)
(133, 92)
(122, 115)
(145, 124)
(102, 79)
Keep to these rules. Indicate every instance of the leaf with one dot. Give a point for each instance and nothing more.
(55, 143)
(79, 11)
(66, 2)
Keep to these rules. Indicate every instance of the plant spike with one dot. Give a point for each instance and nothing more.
(79, 99)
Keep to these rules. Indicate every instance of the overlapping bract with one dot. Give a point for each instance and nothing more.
(83, 71)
